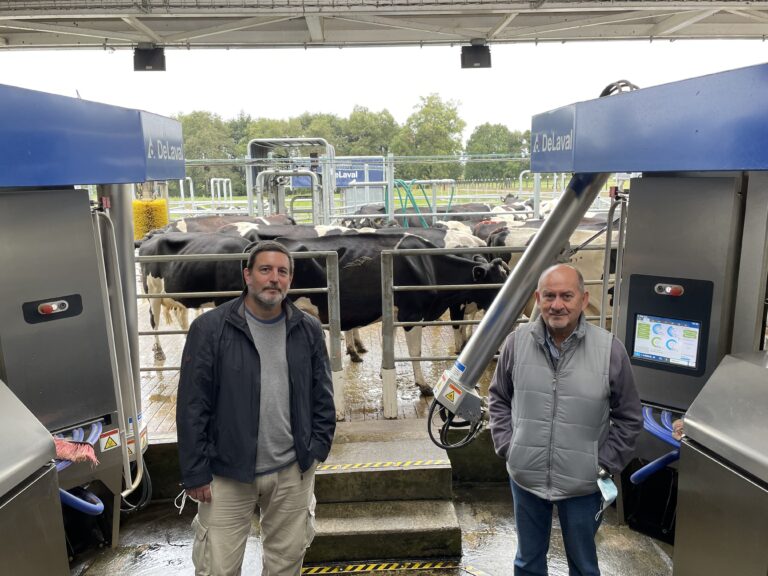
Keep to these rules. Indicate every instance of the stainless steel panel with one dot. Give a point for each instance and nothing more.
(722, 520)
(26, 445)
(753, 269)
(685, 227)
(59, 369)
(32, 530)
(730, 415)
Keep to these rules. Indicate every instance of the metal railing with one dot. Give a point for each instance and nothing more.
(331, 289)
(389, 324)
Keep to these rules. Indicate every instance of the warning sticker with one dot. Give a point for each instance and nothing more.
(455, 389)
(441, 383)
(109, 440)
(450, 396)
(131, 443)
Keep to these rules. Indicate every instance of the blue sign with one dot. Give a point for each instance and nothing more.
(50, 140)
(163, 147)
(349, 170)
(552, 139)
(712, 123)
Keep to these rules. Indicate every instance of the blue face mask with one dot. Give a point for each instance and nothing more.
(609, 493)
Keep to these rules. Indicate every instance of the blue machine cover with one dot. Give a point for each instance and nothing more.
(50, 140)
(712, 123)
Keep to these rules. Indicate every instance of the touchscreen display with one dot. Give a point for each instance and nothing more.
(666, 340)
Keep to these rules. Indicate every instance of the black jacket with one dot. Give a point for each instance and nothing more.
(217, 412)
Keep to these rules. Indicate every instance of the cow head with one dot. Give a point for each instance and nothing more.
(494, 272)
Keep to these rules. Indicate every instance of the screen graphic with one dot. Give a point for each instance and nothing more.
(666, 340)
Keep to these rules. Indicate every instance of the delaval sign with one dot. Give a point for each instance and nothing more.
(349, 170)
(163, 148)
(552, 135)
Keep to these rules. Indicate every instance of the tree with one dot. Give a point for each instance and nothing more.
(496, 139)
(207, 136)
(434, 129)
(369, 133)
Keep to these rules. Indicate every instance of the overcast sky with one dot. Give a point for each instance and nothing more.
(525, 79)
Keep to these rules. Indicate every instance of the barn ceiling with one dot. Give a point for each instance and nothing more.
(35, 24)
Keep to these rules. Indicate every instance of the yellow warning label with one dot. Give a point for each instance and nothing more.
(451, 396)
(109, 440)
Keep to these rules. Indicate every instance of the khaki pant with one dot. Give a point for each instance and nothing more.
(286, 502)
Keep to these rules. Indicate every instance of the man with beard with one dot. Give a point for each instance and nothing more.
(564, 414)
(255, 414)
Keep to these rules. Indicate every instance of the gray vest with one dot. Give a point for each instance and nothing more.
(559, 417)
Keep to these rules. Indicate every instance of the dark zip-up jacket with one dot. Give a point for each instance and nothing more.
(217, 411)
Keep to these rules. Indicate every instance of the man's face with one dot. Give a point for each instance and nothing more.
(269, 279)
(560, 300)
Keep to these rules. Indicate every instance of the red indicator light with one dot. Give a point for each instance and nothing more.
(675, 290)
(45, 309)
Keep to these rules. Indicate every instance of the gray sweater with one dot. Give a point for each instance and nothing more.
(557, 423)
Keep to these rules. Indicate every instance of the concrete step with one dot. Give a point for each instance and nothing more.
(384, 530)
(380, 460)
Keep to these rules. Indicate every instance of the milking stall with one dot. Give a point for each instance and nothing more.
(396, 495)
(690, 308)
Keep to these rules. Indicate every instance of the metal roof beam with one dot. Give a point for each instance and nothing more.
(224, 28)
(72, 30)
(613, 18)
(403, 24)
(139, 26)
(679, 21)
(496, 30)
(315, 28)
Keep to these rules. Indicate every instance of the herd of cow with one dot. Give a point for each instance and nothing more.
(359, 254)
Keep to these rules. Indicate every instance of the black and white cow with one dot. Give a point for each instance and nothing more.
(189, 276)
(360, 281)
(409, 217)
(589, 262)
(215, 222)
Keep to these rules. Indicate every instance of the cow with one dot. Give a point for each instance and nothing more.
(360, 281)
(189, 276)
(410, 218)
(215, 222)
(589, 262)
(441, 238)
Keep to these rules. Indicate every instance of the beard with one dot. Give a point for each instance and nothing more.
(269, 298)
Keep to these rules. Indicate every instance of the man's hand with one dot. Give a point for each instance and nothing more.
(677, 429)
(200, 494)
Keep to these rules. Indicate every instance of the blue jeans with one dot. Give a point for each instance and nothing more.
(533, 519)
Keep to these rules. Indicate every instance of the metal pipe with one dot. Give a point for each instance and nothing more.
(117, 312)
(607, 259)
(619, 265)
(389, 381)
(545, 246)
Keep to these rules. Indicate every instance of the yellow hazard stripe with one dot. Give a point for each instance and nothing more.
(379, 465)
(368, 567)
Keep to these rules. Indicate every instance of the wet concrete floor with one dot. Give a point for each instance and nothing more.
(158, 541)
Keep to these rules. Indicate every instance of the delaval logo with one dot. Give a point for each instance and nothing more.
(553, 142)
(164, 150)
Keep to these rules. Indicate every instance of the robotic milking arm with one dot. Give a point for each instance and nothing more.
(667, 133)
(455, 392)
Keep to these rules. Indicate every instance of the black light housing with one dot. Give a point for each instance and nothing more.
(149, 59)
(476, 56)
